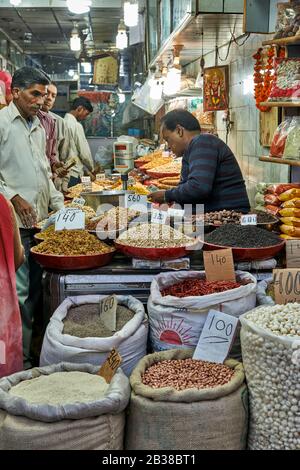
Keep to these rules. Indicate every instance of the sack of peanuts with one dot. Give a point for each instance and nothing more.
(63, 407)
(180, 301)
(77, 334)
(270, 338)
(179, 404)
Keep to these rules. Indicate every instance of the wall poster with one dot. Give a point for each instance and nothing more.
(215, 96)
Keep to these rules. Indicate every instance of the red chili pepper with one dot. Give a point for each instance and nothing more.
(199, 287)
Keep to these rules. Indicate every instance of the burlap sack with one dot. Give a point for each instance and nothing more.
(167, 419)
(97, 425)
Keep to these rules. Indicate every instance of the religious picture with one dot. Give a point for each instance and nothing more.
(106, 70)
(215, 96)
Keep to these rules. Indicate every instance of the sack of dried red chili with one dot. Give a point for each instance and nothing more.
(177, 322)
(279, 138)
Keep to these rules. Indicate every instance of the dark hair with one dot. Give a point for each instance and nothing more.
(84, 102)
(25, 77)
(53, 83)
(182, 117)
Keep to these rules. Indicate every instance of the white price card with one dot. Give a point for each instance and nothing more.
(86, 183)
(136, 201)
(176, 212)
(108, 311)
(100, 176)
(70, 219)
(249, 219)
(79, 201)
(158, 217)
(216, 338)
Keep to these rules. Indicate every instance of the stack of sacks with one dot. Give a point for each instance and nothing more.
(269, 198)
(290, 214)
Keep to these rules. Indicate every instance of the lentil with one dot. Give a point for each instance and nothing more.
(198, 287)
(114, 219)
(243, 236)
(61, 388)
(187, 373)
(84, 321)
(154, 236)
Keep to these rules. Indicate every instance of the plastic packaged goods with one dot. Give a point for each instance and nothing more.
(279, 138)
(288, 20)
(292, 144)
(286, 84)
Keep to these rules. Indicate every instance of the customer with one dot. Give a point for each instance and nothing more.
(210, 172)
(25, 179)
(79, 146)
(11, 258)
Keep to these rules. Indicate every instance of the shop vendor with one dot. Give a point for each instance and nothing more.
(210, 172)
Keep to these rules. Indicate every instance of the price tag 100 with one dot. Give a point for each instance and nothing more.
(108, 311)
(216, 338)
(249, 219)
(137, 201)
(70, 219)
(158, 217)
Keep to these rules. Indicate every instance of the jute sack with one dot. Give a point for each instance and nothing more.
(167, 419)
(95, 425)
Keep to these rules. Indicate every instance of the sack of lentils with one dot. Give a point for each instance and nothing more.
(77, 334)
(180, 301)
(179, 404)
(270, 338)
(63, 407)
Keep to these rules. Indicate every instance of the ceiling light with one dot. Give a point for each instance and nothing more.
(71, 73)
(131, 13)
(121, 97)
(87, 67)
(122, 38)
(15, 3)
(79, 6)
(75, 40)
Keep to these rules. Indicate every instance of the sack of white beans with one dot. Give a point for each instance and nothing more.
(130, 340)
(180, 416)
(178, 322)
(63, 407)
(270, 339)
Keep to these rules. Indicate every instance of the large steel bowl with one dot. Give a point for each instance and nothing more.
(95, 199)
(157, 253)
(76, 262)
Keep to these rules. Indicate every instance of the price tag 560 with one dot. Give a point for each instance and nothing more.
(70, 219)
(136, 200)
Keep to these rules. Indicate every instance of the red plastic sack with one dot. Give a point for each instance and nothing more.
(272, 199)
(279, 138)
(286, 85)
(273, 210)
(281, 188)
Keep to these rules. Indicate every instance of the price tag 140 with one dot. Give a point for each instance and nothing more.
(108, 311)
(216, 338)
(249, 219)
(108, 369)
(219, 265)
(136, 201)
(158, 217)
(70, 219)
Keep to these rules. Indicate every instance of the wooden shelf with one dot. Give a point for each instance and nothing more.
(283, 104)
(282, 41)
(282, 161)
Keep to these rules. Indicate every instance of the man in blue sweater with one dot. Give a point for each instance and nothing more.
(210, 173)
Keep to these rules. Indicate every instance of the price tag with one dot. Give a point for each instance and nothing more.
(139, 202)
(293, 253)
(79, 201)
(70, 219)
(100, 176)
(286, 285)
(108, 311)
(249, 219)
(219, 265)
(176, 212)
(131, 181)
(145, 264)
(158, 217)
(108, 369)
(86, 183)
(216, 338)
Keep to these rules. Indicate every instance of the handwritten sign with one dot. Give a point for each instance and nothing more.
(286, 285)
(219, 265)
(79, 201)
(108, 312)
(158, 217)
(216, 338)
(136, 201)
(110, 366)
(249, 219)
(100, 176)
(86, 183)
(293, 253)
(70, 219)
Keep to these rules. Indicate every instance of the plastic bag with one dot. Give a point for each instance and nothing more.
(290, 221)
(288, 20)
(295, 202)
(289, 194)
(290, 230)
(286, 84)
(281, 188)
(272, 199)
(292, 144)
(290, 212)
(104, 156)
(279, 138)
(273, 210)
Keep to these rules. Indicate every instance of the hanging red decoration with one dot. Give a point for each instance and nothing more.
(263, 76)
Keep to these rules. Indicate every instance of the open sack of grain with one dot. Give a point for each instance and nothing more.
(207, 415)
(76, 333)
(177, 322)
(63, 407)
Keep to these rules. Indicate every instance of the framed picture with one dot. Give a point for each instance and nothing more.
(215, 95)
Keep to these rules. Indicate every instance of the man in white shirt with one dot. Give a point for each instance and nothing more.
(25, 179)
(79, 147)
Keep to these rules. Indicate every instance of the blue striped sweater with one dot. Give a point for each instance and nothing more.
(211, 176)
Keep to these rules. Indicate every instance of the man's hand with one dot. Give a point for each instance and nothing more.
(158, 196)
(25, 211)
(60, 169)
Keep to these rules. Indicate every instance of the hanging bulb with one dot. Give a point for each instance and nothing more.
(122, 38)
(79, 7)
(15, 3)
(131, 13)
(75, 40)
